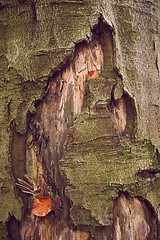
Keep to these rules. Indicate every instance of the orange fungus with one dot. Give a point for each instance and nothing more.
(92, 74)
(42, 206)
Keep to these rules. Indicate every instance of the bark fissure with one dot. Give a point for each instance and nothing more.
(55, 114)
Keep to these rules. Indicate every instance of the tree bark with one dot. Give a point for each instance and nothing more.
(80, 120)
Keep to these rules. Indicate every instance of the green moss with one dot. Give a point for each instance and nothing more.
(98, 164)
(100, 171)
(150, 147)
(3, 231)
(9, 203)
(81, 216)
(18, 97)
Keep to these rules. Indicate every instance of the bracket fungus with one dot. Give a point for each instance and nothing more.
(42, 206)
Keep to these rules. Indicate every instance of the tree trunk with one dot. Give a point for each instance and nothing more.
(79, 121)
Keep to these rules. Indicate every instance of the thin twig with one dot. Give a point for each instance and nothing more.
(29, 179)
(32, 193)
(22, 182)
(24, 187)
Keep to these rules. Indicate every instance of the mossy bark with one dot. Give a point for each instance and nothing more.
(65, 66)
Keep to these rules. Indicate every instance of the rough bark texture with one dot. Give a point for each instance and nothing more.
(80, 112)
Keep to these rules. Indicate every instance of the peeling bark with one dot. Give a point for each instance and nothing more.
(134, 218)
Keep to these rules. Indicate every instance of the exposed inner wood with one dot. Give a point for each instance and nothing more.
(134, 219)
(46, 135)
